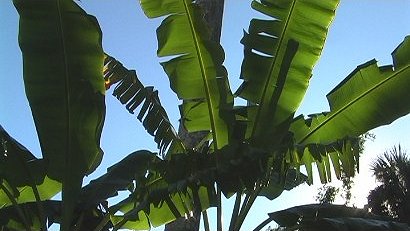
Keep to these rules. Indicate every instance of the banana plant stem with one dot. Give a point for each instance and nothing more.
(246, 206)
(39, 207)
(235, 210)
(103, 222)
(79, 222)
(206, 220)
(119, 225)
(219, 209)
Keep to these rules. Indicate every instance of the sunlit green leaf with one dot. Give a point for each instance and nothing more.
(279, 57)
(369, 97)
(194, 67)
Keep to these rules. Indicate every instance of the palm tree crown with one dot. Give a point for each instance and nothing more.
(391, 197)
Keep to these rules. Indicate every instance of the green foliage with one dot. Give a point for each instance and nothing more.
(290, 44)
(130, 91)
(255, 150)
(356, 104)
(170, 189)
(327, 194)
(23, 179)
(195, 67)
(366, 91)
(64, 85)
(67, 99)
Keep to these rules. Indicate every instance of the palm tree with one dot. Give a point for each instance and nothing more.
(392, 196)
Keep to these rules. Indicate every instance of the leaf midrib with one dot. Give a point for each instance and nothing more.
(66, 213)
(203, 73)
(262, 105)
(67, 82)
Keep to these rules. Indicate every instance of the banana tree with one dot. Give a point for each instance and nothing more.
(251, 150)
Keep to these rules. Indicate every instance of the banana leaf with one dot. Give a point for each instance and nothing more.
(23, 173)
(369, 97)
(332, 217)
(130, 91)
(194, 67)
(23, 179)
(279, 57)
(174, 206)
(119, 177)
(63, 76)
(361, 102)
(170, 190)
(11, 220)
(160, 190)
(90, 219)
(278, 184)
(339, 156)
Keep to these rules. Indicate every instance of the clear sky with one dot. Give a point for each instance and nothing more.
(362, 30)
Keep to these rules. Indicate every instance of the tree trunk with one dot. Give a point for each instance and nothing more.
(213, 11)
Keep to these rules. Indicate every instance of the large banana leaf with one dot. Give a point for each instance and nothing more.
(194, 67)
(369, 97)
(130, 91)
(63, 66)
(332, 217)
(279, 58)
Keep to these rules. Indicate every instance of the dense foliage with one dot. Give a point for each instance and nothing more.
(250, 150)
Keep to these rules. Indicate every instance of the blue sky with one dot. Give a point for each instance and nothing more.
(362, 30)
